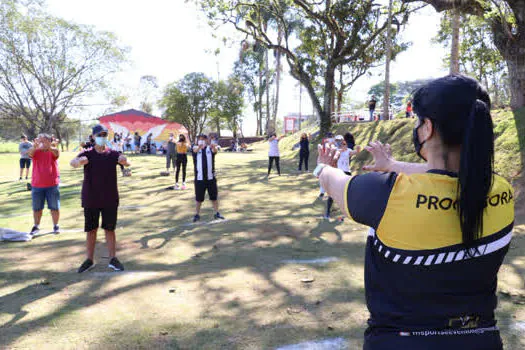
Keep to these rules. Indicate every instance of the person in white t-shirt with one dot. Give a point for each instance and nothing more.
(345, 147)
(273, 153)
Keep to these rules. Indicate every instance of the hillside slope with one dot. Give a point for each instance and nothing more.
(510, 148)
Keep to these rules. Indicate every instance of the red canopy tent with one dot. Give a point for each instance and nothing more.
(131, 121)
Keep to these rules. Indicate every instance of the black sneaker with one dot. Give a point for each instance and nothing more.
(321, 195)
(196, 218)
(116, 265)
(34, 231)
(218, 216)
(86, 266)
(56, 229)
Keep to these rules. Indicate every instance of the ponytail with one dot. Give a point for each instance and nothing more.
(475, 172)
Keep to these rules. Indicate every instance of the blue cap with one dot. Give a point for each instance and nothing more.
(97, 129)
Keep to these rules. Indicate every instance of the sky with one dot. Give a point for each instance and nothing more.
(170, 38)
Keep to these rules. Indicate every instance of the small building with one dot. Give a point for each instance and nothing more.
(292, 124)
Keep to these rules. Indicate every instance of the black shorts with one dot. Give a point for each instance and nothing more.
(202, 186)
(92, 216)
(25, 163)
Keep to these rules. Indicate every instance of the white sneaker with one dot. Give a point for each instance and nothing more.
(177, 187)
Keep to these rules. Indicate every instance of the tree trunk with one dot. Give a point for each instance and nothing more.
(278, 69)
(261, 92)
(511, 49)
(218, 125)
(269, 128)
(454, 50)
(326, 114)
(386, 97)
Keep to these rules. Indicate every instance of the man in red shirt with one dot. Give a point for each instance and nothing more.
(44, 181)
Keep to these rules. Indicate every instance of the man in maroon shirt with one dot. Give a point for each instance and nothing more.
(44, 181)
(100, 195)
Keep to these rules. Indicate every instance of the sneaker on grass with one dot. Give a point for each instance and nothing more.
(115, 264)
(86, 266)
(183, 186)
(35, 230)
(177, 187)
(218, 216)
(56, 229)
(196, 218)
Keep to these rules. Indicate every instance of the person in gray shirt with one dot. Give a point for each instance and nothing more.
(25, 160)
(171, 152)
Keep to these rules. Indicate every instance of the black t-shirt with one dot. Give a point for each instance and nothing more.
(417, 272)
(372, 104)
(304, 144)
(99, 189)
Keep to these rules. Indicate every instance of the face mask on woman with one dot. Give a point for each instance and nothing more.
(201, 143)
(417, 144)
(101, 140)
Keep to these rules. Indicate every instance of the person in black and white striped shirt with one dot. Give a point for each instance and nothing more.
(204, 164)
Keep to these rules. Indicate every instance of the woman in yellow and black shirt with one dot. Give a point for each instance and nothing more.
(181, 161)
(438, 231)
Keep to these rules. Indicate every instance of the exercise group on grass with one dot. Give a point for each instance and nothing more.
(435, 243)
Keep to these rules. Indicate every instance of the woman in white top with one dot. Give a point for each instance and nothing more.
(273, 153)
(345, 146)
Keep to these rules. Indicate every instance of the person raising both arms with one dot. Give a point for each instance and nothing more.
(171, 153)
(181, 161)
(25, 160)
(274, 154)
(439, 230)
(100, 195)
(304, 151)
(44, 181)
(343, 161)
(205, 180)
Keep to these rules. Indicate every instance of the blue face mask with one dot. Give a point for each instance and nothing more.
(101, 140)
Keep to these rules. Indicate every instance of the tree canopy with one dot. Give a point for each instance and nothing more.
(48, 66)
(315, 37)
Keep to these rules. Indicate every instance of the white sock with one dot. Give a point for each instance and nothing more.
(37, 226)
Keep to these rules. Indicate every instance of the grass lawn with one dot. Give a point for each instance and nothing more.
(224, 286)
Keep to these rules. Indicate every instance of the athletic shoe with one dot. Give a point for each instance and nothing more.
(183, 186)
(26, 177)
(116, 265)
(196, 218)
(326, 217)
(20, 179)
(34, 231)
(218, 216)
(321, 195)
(86, 266)
(56, 229)
(177, 187)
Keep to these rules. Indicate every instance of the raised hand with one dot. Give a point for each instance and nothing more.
(382, 154)
(82, 160)
(327, 155)
(122, 159)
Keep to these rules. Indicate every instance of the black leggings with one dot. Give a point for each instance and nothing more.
(182, 159)
(270, 161)
(303, 157)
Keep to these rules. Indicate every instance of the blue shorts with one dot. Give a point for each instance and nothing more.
(42, 194)
(25, 163)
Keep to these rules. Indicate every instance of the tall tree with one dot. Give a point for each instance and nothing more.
(507, 22)
(318, 36)
(48, 65)
(189, 102)
(454, 47)
(386, 105)
(477, 55)
(250, 69)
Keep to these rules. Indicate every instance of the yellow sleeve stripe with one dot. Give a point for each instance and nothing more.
(346, 208)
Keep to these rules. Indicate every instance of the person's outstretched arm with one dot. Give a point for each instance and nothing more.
(384, 162)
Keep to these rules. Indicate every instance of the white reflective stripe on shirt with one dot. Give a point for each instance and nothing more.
(209, 161)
